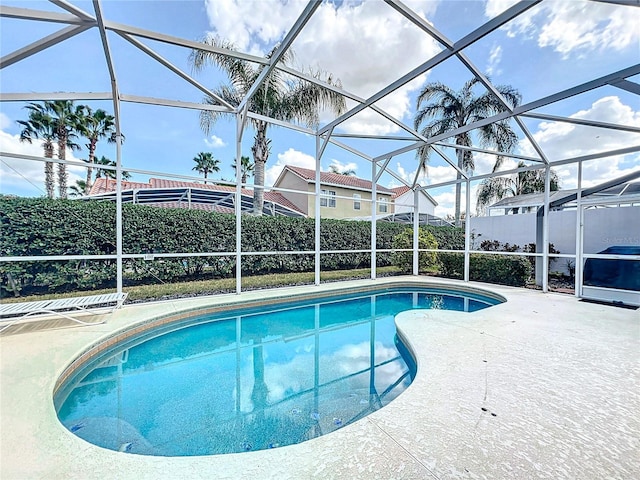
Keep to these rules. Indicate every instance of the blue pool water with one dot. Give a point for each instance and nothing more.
(250, 380)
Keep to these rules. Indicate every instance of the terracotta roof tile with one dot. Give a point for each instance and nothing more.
(337, 179)
(397, 191)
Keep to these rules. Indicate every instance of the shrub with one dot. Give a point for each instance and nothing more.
(448, 238)
(499, 269)
(404, 260)
(451, 264)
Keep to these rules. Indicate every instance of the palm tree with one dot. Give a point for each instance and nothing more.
(349, 172)
(532, 181)
(101, 172)
(95, 126)
(451, 110)
(41, 126)
(205, 164)
(246, 167)
(282, 98)
(66, 120)
(78, 190)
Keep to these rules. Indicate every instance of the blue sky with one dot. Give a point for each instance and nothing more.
(367, 45)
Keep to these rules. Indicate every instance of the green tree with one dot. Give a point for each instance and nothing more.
(350, 172)
(440, 109)
(494, 189)
(426, 260)
(206, 164)
(41, 126)
(280, 97)
(78, 190)
(95, 126)
(246, 167)
(66, 118)
(101, 172)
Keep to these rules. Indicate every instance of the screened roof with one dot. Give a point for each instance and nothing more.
(574, 63)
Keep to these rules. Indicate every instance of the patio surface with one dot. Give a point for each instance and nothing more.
(542, 386)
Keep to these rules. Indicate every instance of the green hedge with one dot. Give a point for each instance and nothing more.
(34, 227)
(500, 269)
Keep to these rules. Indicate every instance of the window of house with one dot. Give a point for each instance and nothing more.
(356, 201)
(382, 202)
(328, 198)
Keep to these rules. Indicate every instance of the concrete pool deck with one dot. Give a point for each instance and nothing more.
(542, 386)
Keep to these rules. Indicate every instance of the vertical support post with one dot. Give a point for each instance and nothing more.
(545, 230)
(317, 215)
(238, 202)
(577, 273)
(467, 230)
(374, 209)
(416, 227)
(119, 247)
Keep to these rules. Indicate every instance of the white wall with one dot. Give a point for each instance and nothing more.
(603, 227)
(404, 203)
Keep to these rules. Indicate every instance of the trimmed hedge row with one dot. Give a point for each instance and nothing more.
(34, 227)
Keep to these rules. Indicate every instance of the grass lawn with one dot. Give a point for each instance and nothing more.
(142, 293)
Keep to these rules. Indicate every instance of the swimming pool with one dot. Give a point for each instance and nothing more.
(248, 379)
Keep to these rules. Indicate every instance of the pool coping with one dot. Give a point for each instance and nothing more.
(441, 427)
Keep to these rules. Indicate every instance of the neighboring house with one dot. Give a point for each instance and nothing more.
(342, 196)
(191, 195)
(403, 199)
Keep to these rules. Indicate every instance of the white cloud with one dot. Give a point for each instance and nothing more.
(494, 60)
(243, 24)
(563, 140)
(5, 121)
(343, 40)
(343, 167)
(26, 177)
(574, 26)
(214, 142)
(289, 157)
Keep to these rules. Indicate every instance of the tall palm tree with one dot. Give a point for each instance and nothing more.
(280, 97)
(450, 110)
(101, 172)
(246, 167)
(532, 181)
(95, 126)
(205, 164)
(40, 126)
(66, 117)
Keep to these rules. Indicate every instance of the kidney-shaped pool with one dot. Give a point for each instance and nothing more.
(249, 379)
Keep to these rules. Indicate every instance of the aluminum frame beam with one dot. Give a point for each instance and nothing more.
(163, 61)
(7, 11)
(42, 44)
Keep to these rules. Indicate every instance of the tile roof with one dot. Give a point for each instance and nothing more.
(108, 185)
(194, 206)
(398, 191)
(336, 179)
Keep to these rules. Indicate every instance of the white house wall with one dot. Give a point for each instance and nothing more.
(404, 204)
